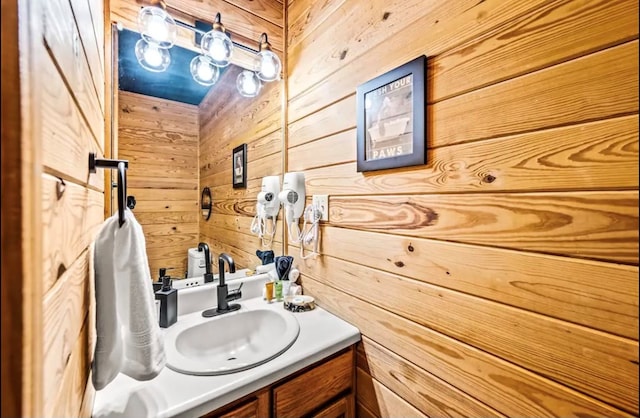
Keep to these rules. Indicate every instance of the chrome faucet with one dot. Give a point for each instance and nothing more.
(208, 276)
(224, 297)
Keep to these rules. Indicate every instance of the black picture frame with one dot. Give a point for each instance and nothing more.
(239, 167)
(391, 118)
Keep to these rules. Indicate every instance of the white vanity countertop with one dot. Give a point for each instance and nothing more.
(175, 394)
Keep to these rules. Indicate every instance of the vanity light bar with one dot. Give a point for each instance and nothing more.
(202, 33)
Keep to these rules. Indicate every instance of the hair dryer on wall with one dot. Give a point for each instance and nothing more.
(267, 208)
(268, 196)
(293, 199)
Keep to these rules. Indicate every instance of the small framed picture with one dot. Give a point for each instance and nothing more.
(239, 169)
(391, 118)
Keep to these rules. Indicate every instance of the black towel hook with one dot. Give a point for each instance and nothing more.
(121, 166)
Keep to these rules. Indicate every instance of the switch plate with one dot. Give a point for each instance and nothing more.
(321, 202)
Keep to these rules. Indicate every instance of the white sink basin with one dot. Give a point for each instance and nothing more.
(229, 343)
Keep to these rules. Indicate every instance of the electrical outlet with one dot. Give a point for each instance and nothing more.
(321, 202)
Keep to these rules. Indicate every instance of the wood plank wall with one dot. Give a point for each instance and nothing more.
(71, 106)
(226, 121)
(501, 278)
(160, 139)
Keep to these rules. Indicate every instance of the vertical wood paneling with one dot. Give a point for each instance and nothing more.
(160, 139)
(533, 123)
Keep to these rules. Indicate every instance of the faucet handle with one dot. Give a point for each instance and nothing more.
(235, 293)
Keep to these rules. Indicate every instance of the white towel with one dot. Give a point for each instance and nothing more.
(128, 334)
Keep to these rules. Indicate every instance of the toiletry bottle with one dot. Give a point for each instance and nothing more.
(268, 291)
(278, 287)
(168, 298)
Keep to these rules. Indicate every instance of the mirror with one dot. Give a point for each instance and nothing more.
(206, 203)
(179, 136)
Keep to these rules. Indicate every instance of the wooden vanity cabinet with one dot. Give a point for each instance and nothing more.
(255, 405)
(341, 408)
(325, 389)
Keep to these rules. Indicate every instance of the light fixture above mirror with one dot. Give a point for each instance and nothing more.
(159, 30)
(267, 63)
(157, 27)
(217, 45)
(204, 71)
(248, 84)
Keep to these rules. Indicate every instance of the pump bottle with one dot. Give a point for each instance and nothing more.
(168, 298)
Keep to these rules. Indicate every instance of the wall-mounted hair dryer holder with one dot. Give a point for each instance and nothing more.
(268, 196)
(293, 196)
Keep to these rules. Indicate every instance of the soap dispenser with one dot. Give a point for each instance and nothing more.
(162, 272)
(168, 298)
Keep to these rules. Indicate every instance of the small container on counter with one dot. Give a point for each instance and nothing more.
(268, 291)
(278, 287)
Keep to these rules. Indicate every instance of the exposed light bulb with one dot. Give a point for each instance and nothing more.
(248, 84)
(217, 49)
(268, 66)
(152, 56)
(217, 46)
(157, 28)
(268, 69)
(203, 71)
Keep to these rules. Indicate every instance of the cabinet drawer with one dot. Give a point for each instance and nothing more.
(342, 408)
(255, 405)
(304, 393)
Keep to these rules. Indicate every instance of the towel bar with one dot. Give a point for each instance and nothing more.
(121, 166)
